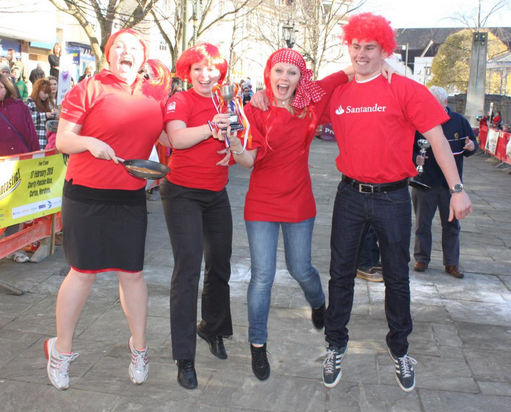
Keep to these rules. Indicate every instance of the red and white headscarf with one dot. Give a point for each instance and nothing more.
(307, 89)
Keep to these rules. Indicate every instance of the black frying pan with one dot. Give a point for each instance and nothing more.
(144, 169)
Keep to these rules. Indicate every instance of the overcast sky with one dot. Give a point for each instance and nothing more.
(432, 13)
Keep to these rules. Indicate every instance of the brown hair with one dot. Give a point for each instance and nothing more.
(60, 49)
(43, 85)
(10, 91)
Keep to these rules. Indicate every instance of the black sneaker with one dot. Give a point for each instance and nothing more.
(186, 375)
(260, 365)
(405, 375)
(332, 371)
(318, 317)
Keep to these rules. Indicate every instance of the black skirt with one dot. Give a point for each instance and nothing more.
(104, 230)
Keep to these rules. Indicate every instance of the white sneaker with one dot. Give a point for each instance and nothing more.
(58, 364)
(139, 366)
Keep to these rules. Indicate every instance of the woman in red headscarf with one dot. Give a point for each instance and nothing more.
(104, 215)
(280, 190)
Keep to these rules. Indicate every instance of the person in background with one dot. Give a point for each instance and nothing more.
(54, 60)
(369, 265)
(497, 120)
(463, 143)
(6, 71)
(36, 74)
(88, 72)
(11, 57)
(53, 94)
(39, 105)
(114, 113)
(20, 83)
(246, 96)
(198, 212)
(17, 135)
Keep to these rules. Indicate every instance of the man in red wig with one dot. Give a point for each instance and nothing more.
(374, 123)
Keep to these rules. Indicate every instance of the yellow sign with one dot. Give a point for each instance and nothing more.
(30, 188)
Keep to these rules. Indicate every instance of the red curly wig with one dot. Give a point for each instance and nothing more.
(198, 53)
(369, 26)
(112, 38)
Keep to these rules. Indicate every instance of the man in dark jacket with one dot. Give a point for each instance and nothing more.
(463, 143)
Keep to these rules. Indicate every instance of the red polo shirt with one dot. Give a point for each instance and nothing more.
(374, 124)
(280, 187)
(196, 167)
(127, 118)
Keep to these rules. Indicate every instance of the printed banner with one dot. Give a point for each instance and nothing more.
(491, 141)
(30, 188)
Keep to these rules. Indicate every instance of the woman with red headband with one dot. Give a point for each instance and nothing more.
(280, 191)
(104, 214)
(198, 212)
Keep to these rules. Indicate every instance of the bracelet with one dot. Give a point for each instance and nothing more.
(204, 136)
(238, 153)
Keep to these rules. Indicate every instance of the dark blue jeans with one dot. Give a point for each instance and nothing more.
(369, 251)
(389, 214)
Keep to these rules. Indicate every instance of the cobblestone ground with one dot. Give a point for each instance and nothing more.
(461, 338)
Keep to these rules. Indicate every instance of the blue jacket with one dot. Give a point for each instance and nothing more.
(455, 130)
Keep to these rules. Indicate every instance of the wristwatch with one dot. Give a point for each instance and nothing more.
(457, 188)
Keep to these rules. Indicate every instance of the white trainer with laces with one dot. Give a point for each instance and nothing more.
(139, 366)
(57, 364)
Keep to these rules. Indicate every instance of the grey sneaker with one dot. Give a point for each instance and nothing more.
(57, 365)
(332, 371)
(139, 366)
(405, 376)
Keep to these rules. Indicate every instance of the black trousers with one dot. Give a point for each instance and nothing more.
(199, 223)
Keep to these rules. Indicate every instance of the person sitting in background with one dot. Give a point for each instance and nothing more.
(39, 105)
(18, 135)
(20, 84)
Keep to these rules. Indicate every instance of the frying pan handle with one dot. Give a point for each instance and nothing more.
(120, 159)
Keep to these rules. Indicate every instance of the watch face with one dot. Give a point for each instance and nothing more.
(457, 188)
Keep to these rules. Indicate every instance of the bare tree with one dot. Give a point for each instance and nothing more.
(317, 26)
(104, 14)
(477, 17)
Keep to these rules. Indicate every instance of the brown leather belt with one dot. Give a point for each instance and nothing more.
(375, 187)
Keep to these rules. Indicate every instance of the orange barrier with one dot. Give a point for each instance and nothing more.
(496, 148)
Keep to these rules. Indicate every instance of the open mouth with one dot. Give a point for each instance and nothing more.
(126, 63)
(282, 88)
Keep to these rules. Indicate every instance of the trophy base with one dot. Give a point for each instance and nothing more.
(235, 126)
(418, 185)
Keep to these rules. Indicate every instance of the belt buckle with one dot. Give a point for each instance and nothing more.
(365, 188)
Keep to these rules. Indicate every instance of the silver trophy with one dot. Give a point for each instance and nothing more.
(227, 92)
(424, 145)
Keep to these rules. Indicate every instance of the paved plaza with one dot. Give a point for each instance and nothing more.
(461, 337)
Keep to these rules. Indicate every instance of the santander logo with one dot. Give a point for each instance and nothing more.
(362, 109)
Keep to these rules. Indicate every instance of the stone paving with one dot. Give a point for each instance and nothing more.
(461, 338)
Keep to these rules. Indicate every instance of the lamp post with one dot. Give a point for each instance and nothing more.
(288, 34)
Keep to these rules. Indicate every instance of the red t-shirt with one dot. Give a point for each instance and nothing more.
(127, 118)
(280, 187)
(196, 167)
(374, 124)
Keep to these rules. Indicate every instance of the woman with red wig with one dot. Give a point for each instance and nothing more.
(198, 212)
(104, 214)
(280, 191)
(40, 109)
